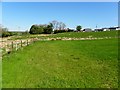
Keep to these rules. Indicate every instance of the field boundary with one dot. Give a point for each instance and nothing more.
(13, 45)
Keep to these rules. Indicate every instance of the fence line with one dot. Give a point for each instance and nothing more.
(15, 45)
(10, 46)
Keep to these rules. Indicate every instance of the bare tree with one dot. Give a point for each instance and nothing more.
(54, 23)
(63, 26)
(58, 25)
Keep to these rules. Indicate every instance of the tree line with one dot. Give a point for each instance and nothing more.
(52, 27)
(4, 32)
(47, 28)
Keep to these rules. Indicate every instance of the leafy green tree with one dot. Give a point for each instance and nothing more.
(48, 29)
(78, 28)
(33, 29)
(36, 29)
(51, 25)
(40, 29)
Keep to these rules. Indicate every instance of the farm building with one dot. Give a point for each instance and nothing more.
(98, 30)
(102, 29)
(114, 28)
(106, 29)
(87, 30)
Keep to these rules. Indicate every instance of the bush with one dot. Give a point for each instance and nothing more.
(62, 31)
(40, 29)
(5, 32)
(48, 30)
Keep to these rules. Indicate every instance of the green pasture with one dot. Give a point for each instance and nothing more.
(104, 34)
(63, 64)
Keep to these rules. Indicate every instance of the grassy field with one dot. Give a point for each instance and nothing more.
(68, 64)
(87, 34)
(104, 34)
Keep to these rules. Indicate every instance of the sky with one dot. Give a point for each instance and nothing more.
(0, 13)
(21, 15)
(60, 0)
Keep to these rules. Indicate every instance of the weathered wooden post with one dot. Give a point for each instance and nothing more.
(21, 43)
(27, 42)
(12, 46)
(16, 46)
(6, 50)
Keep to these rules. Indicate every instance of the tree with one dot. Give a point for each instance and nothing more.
(5, 32)
(55, 24)
(40, 29)
(51, 25)
(48, 29)
(37, 29)
(78, 28)
(63, 26)
(58, 25)
(33, 29)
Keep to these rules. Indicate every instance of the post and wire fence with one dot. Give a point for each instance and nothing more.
(15, 45)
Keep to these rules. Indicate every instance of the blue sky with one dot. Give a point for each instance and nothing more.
(86, 14)
(60, 0)
(0, 13)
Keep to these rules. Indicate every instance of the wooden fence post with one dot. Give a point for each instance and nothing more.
(12, 46)
(21, 43)
(16, 46)
(6, 48)
(27, 42)
(33, 40)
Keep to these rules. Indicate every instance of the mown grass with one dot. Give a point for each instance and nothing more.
(64, 64)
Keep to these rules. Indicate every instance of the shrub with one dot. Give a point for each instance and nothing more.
(39, 29)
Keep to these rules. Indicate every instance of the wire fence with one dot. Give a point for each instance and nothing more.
(14, 45)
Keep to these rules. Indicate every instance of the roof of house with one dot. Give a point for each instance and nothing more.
(87, 29)
(105, 28)
(114, 27)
